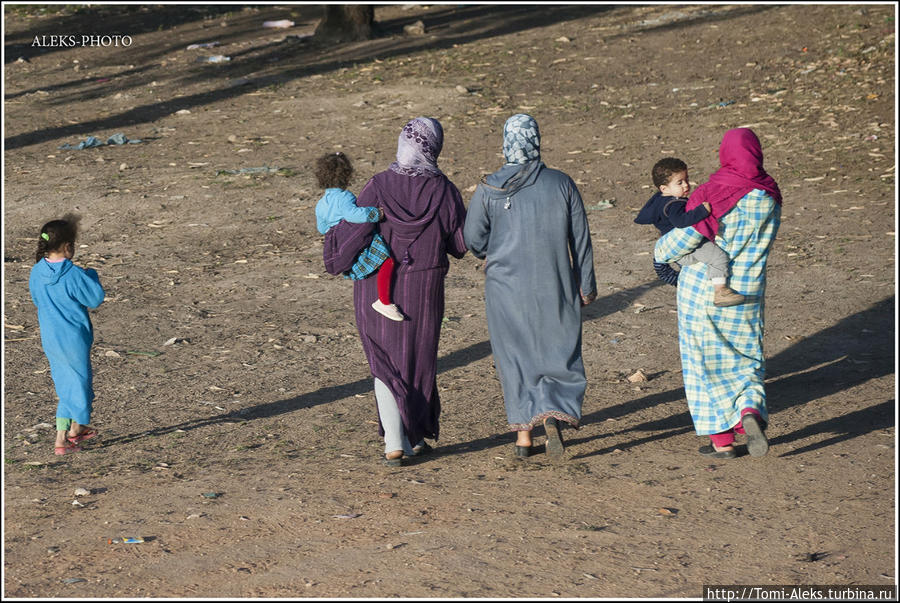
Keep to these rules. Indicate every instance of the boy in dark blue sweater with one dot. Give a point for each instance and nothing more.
(666, 210)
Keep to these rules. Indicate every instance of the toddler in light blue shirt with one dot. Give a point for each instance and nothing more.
(333, 171)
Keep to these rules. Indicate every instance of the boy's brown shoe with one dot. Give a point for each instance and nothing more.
(726, 297)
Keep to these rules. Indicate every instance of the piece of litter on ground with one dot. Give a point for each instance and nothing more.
(638, 376)
(73, 580)
(125, 540)
(81, 492)
(211, 495)
(604, 204)
(175, 340)
(112, 354)
(280, 24)
(348, 516)
(203, 45)
(217, 58)
(667, 511)
(76, 503)
(93, 141)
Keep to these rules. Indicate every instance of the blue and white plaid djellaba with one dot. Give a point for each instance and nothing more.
(370, 259)
(722, 348)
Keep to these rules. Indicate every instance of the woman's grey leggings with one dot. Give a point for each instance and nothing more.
(389, 412)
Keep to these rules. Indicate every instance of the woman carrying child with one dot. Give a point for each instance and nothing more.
(722, 347)
(424, 216)
(62, 293)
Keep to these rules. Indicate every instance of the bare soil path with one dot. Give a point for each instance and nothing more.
(245, 454)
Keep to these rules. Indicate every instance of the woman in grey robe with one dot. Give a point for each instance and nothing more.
(529, 222)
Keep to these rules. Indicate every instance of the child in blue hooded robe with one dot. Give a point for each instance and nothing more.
(63, 292)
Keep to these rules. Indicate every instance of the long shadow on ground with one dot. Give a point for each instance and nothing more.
(455, 26)
(103, 20)
(855, 350)
(824, 364)
(462, 357)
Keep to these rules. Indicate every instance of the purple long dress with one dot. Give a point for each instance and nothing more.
(424, 217)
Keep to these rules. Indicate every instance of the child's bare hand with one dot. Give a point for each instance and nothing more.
(707, 206)
(380, 213)
(589, 298)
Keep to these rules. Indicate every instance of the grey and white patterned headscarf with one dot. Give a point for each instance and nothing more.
(521, 139)
(418, 147)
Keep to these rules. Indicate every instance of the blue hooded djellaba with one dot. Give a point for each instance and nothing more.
(63, 292)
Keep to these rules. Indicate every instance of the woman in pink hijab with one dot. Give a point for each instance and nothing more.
(721, 347)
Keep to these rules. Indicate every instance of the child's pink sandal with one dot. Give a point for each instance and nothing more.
(67, 449)
(87, 434)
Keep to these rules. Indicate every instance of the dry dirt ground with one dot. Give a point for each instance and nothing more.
(245, 454)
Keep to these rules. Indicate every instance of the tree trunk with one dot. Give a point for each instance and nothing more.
(347, 23)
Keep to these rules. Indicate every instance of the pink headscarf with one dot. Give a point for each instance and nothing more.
(741, 158)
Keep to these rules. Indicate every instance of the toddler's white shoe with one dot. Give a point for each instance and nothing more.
(389, 310)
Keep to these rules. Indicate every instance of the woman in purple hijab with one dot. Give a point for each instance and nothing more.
(424, 217)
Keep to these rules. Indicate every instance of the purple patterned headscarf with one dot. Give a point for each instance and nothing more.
(418, 148)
